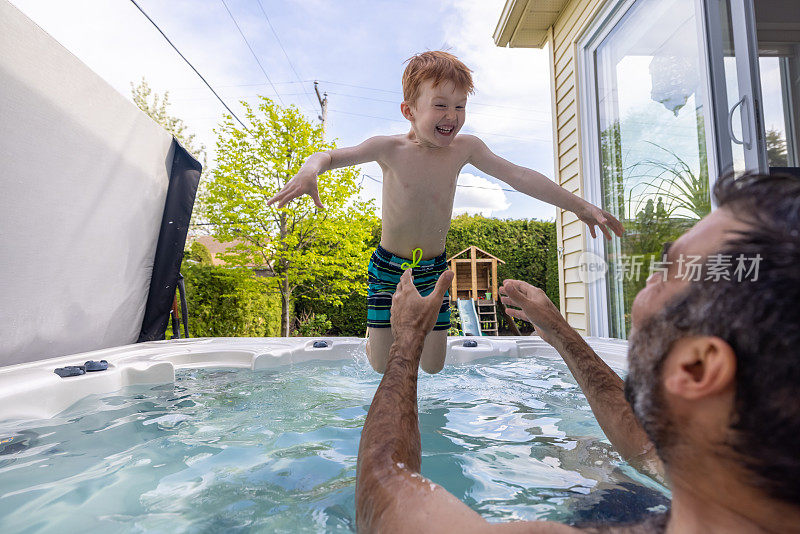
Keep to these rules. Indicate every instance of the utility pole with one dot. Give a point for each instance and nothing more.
(323, 103)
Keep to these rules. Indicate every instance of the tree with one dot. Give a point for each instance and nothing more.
(299, 245)
(776, 149)
(156, 109)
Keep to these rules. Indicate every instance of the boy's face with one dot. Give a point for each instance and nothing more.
(438, 114)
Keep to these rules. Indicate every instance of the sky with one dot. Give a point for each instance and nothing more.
(356, 50)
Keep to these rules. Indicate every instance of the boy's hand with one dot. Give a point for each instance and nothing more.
(532, 304)
(415, 314)
(594, 216)
(302, 184)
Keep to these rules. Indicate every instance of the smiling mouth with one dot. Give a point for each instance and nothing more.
(445, 130)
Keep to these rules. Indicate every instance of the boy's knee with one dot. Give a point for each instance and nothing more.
(432, 367)
(378, 363)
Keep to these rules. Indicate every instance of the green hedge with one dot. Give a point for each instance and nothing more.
(527, 246)
(229, 302)
(234, 302)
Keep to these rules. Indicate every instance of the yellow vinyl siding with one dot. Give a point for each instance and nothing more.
(577, 320)
(574, 18)
(571, 276)
(574, 291)
(573, 229)
(575, 305)
(569, 156)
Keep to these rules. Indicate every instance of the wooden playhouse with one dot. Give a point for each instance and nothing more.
(476, 279)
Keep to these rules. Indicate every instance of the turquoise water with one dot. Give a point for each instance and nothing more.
(275, 451)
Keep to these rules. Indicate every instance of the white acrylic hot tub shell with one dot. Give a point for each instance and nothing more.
(33, 390)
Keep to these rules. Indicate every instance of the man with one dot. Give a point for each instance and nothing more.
(709, 402)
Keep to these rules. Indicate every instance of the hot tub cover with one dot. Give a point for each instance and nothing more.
(85, 218)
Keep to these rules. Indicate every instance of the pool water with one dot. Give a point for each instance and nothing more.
(224, 450)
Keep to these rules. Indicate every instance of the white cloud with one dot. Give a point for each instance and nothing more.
(359, 63)
(478, 196)
(511, 105)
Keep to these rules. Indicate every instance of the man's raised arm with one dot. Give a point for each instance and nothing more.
(603, 388)
(391, 495)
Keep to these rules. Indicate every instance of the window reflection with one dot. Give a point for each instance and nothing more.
(654, 170)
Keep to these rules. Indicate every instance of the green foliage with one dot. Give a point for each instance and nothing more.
(551, 273)
(229, 302)
(199, 254)
(455, 322)
(348, 317)
(657, 198)
(301, 246)
(156, 108)
(310, 324)
(527, 246)
(776, 149)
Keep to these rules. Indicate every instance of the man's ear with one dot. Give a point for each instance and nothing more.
(699, 366)
(406, 110)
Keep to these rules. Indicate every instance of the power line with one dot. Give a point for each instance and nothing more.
(400, 93)
(245, 85)
(470, 112)
(252, 52)
(190, 64)
(466, 131)
(260, 5)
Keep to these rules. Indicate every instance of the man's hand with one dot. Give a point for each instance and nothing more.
(533, 305)
(594, 216)
(303, 183)
(415, 314)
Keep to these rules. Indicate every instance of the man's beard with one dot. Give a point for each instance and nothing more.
(648, 347)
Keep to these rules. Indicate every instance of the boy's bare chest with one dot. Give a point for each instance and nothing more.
(409, 170)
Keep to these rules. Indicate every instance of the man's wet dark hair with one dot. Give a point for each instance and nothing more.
(760, 319)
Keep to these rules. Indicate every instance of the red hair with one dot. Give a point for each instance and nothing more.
(437, 66)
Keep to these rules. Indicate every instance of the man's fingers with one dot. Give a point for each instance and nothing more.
(512, 290)
(442, 284)
(508, 301)
(517, 314)
(405, 279)
(606, 233)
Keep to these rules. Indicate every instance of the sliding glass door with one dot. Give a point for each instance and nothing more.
(652, 117)
(672, 93)
(736, 87)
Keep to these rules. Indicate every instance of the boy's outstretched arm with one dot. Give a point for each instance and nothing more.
(305, 181)
(537, 185)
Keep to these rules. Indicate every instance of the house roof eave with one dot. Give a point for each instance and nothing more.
(525, 23)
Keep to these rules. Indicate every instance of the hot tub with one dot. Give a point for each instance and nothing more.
(244, 434)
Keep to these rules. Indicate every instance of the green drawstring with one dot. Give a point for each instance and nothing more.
(414, 258)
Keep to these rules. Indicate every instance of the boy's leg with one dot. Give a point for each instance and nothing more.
(378, 345)
(433, 352)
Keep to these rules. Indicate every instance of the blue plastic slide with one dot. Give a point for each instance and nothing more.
(469, 317)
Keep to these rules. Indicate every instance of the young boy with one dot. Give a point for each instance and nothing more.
(420, 170)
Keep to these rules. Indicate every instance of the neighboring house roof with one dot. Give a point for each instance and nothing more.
(216, 247)
(524, 23)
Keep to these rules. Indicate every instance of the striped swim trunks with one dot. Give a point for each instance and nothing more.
(384, 275)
